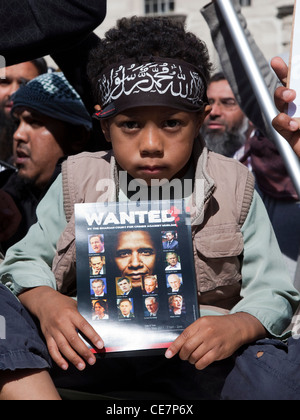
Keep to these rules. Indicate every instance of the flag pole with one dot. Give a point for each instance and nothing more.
(260, 89)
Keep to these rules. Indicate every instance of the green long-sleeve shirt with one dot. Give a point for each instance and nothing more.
(267, 291)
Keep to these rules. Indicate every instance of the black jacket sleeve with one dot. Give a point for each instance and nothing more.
(34, 28)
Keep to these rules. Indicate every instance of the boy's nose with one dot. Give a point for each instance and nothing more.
(151, 142)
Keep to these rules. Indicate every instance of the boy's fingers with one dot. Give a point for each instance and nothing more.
(203, 362)
(76, 347)
(55, 354)
(88, 331)
(177, 345)
(72, 348)
(67, 345)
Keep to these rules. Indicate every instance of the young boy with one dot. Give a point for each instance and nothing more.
(149, 77)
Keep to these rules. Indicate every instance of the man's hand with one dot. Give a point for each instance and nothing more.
(214, 338)
(10, 217)
(60, 322)
(288, 127)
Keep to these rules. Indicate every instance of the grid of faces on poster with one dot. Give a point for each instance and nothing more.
(144, 289)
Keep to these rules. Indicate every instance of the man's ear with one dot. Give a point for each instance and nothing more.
(106, 130)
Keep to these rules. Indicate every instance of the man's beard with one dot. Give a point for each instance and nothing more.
(23, 184)
(227, 143)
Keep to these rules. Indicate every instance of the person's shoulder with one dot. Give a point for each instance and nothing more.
(105, 155)
(225, 165)
(232, 179)
(217, 158)
(88, 163)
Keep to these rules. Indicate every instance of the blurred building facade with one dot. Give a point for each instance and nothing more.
(270, 21)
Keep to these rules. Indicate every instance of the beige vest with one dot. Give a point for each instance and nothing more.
(218, 241)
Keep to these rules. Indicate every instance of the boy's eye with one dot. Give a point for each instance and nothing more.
(172, 124)
(130, 125)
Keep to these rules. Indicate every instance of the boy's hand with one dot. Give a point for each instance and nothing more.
(60, 322)
(286, 126)
(214, 338)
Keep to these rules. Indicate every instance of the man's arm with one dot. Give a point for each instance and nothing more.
(32, 29)
(73, 62)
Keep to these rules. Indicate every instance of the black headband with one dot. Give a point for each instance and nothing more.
(157, 81)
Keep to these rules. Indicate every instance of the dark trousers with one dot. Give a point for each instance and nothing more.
(21, 346)
(266, 370)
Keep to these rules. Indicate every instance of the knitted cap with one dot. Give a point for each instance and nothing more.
(52, 95)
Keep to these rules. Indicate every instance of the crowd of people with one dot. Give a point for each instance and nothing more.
(245, 234)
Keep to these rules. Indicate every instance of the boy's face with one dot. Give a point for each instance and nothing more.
(153, 142)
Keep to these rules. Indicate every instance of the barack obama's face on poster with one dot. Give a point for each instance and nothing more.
(135, 255)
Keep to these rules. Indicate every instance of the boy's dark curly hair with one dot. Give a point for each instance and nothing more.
(139, 37)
